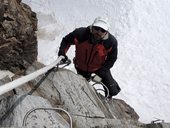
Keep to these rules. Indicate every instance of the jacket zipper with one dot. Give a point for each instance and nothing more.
(85, 60)
(93, 57)
(89, 57)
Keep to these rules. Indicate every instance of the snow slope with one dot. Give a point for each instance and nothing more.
(142, 29)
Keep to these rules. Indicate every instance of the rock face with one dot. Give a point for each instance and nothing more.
(71, 92)
(56, 93)
(15, 108)
(68, 91)
(18, 40)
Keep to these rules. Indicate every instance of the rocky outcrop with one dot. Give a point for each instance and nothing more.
(71, 92)
(18, 40)
(6, 79)
(157, 125)
(13, 110)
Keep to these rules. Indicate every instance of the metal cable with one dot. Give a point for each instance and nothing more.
(38, 108)
(45, 108)
(104, 87)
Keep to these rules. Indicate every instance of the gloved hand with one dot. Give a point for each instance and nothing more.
(65, 60)
(61, 53)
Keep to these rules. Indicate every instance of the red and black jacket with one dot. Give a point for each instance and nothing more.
(90, 57)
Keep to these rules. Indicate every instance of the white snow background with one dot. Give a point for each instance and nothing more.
(142, 28)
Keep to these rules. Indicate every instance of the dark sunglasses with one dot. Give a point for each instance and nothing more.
(99, 29)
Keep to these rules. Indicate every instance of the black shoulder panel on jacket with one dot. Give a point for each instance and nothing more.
(82, 33)
(110, 42)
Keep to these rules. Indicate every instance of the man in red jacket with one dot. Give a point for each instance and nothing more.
(96, 52)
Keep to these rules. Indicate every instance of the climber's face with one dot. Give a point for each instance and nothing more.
(98, 32)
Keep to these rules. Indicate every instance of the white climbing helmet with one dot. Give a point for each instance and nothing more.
(102, 23)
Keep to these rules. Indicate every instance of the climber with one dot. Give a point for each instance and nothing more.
(95, 52)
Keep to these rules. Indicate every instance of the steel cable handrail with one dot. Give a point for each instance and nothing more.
(45, 108)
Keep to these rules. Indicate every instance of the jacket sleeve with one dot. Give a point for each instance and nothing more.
(66, 42)
(111, 58)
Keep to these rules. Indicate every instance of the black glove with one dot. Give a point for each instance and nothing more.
(61, 53)
(64, 60)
